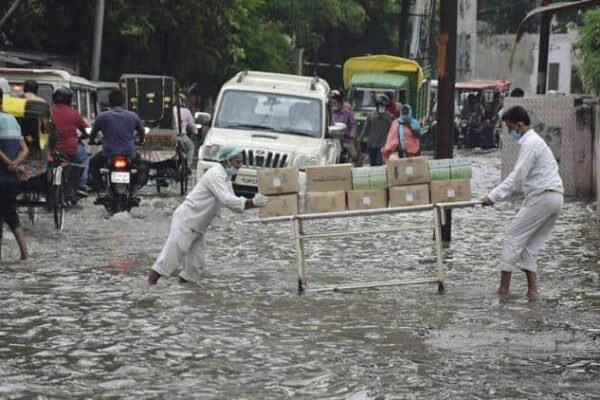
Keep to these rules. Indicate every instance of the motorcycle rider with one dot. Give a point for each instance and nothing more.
(66, 123)
(118, 127)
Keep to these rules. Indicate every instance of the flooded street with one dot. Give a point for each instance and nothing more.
(79, 320)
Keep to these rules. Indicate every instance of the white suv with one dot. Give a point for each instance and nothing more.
(280, 121)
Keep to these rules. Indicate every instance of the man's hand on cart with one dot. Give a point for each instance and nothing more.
(260, 200)
(486, 201)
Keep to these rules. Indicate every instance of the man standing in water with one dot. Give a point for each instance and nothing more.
(13, 151)
(536, 175)
(185, 244)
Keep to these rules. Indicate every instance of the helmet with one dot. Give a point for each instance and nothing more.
(381, 100)
(62, 95)
(336, 94)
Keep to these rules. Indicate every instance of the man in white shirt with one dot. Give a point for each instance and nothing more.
(536, 175)
(185, 244)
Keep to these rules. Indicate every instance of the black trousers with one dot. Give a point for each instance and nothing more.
(8, 206)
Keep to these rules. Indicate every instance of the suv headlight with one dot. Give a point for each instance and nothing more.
(209, 152)
(302, 161)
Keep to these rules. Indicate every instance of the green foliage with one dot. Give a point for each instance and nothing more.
(588, 48)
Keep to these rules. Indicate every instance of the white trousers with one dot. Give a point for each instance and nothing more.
(529, 230)
(183, 248)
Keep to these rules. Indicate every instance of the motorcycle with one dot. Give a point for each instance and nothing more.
(119, 181)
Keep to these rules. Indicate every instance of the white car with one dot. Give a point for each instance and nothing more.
(280, 121)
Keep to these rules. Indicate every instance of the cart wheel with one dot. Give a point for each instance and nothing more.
(183, 177)
(58, 206)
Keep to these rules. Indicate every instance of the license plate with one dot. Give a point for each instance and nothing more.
(246, 180)
(119, 177)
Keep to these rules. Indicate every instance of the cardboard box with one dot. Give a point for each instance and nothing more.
(407, 171)
(329, 178)
(439, 170)
(367, 199)
(322, 202)
(279, 206)
(365, 178)
(461, 169)
(411, 195)
(450, 191)
(278, 181)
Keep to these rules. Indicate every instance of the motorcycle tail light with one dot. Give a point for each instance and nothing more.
(120, 162)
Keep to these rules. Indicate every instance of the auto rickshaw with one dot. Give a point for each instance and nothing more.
(53, 179)
(479, 101)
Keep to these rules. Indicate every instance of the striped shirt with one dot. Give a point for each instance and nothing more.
(10, 144)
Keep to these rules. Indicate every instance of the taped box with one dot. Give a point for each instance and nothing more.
(323, 202)
(439, 170)
(279, 206)
(365, 178)
(329, 178)
(409, 195)
(407, 171)
(450, 191)
(367, 199)
(278, 181)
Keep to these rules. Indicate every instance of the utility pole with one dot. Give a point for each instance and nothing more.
(446, 81)
(543, 49)
(97, 50)
(403, 28)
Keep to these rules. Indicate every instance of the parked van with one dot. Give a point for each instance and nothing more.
(280, 121)
(84, 91)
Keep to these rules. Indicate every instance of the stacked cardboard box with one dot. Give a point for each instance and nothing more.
(408, 180)
(326, 188)
(369, 186)
(450, 180)
(281, 185)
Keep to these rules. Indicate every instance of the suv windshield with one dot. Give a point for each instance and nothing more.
(270, 112)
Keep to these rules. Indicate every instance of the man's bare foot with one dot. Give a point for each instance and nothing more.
(533, 295)
(23, 257)
(153, 277)
(181, 280)
(502, 292)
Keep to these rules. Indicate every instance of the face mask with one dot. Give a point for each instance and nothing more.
(231, 171)
(516, 136)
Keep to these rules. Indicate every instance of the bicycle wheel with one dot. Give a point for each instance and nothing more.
(58, 206)
(182, 175)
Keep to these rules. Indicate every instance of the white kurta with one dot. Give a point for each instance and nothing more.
(185, 243)
(536, 175)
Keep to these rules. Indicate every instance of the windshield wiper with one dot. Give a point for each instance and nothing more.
(300, 132)
(250, 126)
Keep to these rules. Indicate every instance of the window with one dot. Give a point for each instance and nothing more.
(363, 97)
(270, 112)
(83, 104)
(553, 72)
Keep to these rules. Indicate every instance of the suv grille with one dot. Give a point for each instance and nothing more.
(264, 159)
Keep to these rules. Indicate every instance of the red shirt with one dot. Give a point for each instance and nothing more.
(66, 122)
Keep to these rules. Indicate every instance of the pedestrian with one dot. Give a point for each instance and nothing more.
(185, 244)
(404, 136)
(188, 128)
(342, 112)
(376, 128)
(13, 151)
(536, 175)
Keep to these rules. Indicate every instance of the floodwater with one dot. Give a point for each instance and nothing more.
(79, 321)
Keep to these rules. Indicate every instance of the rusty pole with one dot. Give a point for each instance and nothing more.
(544, 46)
(446, 81)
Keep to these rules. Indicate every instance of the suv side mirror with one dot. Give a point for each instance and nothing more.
(337, 131)
(202, 118)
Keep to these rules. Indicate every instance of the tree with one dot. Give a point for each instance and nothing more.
(588, 48)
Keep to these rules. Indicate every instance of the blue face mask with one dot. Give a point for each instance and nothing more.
(516, 136)
(231, 171)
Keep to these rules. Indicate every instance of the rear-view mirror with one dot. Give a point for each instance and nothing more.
(337, 131)
(202, 118)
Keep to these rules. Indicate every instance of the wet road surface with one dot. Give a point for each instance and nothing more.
(79, 321)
